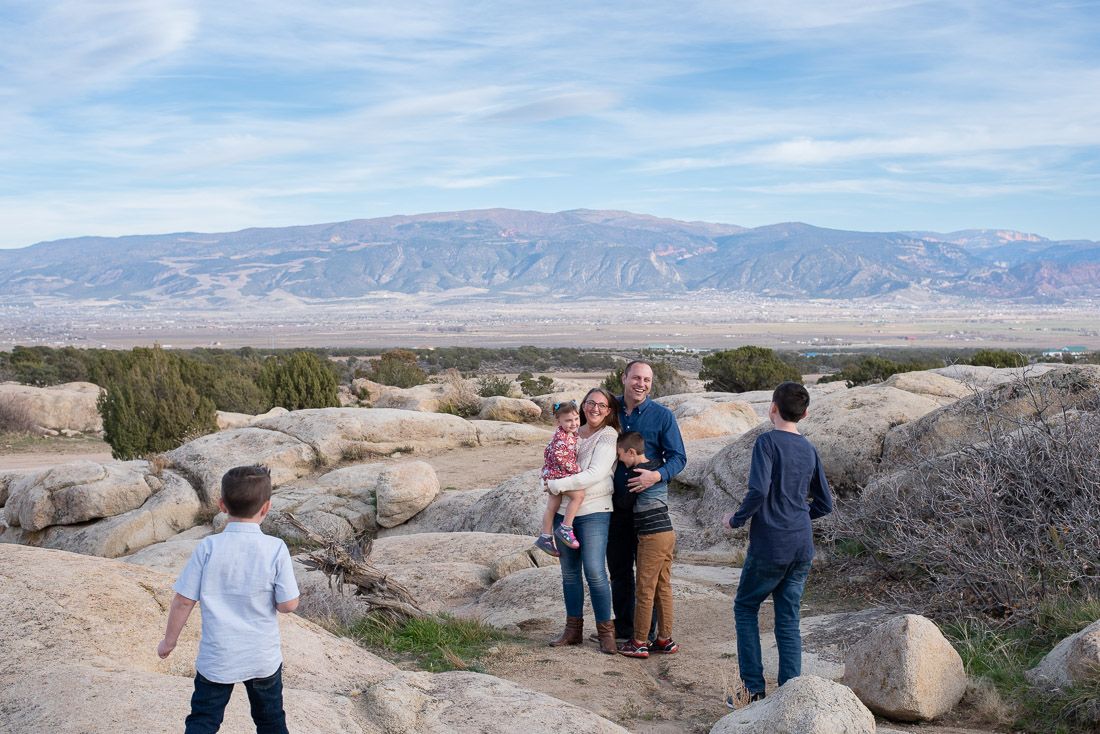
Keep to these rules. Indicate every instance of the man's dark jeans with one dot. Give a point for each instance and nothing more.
(622, 551)
(265, 697)
(784, 582)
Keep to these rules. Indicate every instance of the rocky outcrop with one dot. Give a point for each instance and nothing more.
(172, 507)
(446, 515)
(334, 433)
(404, 489)
(1002, 408)
(1074, 660)
(804, 705)
(421, 398)
(906, 670)
(977, 379)
(699, 417)
(76, 492)
(515, 506)
(944, 390)
(207, 458)
(512, 410)
(67, 407)
(75, 623)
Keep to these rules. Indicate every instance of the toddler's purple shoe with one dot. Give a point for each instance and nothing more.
(564, 533)
(545, 543)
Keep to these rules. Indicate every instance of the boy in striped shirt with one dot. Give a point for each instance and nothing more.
(656, 543)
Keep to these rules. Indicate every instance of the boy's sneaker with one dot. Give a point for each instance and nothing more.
(564, 533)
(663, 647)
(742, 698)
(545, 543)
(632, 649)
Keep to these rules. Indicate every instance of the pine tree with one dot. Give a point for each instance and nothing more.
(746, 368)
(299, 381)
(150, 409)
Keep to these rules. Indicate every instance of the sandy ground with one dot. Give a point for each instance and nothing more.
(22, 453)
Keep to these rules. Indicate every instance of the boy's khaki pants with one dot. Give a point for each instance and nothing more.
(653, 584)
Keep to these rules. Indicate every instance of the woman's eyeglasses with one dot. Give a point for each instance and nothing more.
(597, 407)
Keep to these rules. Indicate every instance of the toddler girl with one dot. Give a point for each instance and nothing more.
(561, 461)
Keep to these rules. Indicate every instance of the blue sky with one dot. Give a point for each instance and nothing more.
(126, 117)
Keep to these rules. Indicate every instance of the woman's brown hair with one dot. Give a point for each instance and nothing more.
(612, 418)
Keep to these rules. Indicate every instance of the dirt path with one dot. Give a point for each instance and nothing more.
(684, 692)
(22, 453)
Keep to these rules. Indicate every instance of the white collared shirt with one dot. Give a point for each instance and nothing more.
(238, 576)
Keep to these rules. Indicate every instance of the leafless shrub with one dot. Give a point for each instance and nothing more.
(459, 398)
(997, 525)
(15, 416)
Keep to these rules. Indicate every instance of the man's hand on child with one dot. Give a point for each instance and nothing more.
(643, 480)
(164, 649)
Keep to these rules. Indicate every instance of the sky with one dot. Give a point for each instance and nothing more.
(137, 117)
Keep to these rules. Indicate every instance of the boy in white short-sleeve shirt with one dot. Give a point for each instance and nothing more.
(241, 578)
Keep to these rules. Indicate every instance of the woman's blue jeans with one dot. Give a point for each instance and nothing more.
(591, 558)
(784, 582)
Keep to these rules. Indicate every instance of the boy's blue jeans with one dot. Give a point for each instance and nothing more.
(591, 558)
(265, 698)
(784, 582)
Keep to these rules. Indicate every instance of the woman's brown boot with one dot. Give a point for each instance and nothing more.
(573, 634)
(606, 633)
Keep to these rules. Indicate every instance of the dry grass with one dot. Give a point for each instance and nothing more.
(15, 417)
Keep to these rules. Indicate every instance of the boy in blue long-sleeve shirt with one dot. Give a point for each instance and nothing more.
(785, 471)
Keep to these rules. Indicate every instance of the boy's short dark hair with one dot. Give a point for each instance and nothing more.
(792, 399)
(245, 489)
(632, 440)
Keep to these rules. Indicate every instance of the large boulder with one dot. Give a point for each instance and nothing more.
(447, 514)
(1074, 660)
(227, 420)
(803, 705)
(699, 417)
(515, 506)
(206, 459)
(173, 507)
(472, 702)
(335, 433)
(978, 378)
(421, 398)
(848, 429)
(905, 669)
(512, 410)
(7, 478)
(71, 493)
(725, 478)
(67, 407)
(404, 489)
(1002, 408)
(944, 390)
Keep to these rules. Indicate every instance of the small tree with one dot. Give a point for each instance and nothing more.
(666, 380)
(299, 381)
(150, 409)
(489, 386)
(532, 386)
(746, 368)
(397, 368)
(998, 358)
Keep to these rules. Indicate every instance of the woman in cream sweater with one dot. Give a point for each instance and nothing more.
(596, 458)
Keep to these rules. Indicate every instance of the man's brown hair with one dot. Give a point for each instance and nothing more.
(245, 489)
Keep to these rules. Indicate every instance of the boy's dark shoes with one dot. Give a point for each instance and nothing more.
(664, 647)
(633, 649)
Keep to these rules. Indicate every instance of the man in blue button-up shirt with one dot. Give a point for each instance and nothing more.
(662, 442)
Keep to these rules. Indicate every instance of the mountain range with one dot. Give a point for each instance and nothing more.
(509, 253)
